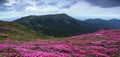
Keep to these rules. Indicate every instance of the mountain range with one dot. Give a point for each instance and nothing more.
(105, 24)
(62, 25)
(58, 25)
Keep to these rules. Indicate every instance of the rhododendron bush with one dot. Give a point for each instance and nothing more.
(104, 43)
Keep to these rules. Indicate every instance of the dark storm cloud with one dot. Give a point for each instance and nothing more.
(4, 7)
(18, 5)
(2, 1)
(21, 5)
(104, 3)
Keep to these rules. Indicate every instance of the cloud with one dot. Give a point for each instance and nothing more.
(74, 8)
(60, 4)
(85, 9)
(104, 3)
(22, 5)
(2, 1)
(4, 7)
(44, 5)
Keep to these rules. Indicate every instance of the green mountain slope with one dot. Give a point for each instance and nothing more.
(58, 25)
(16, 31)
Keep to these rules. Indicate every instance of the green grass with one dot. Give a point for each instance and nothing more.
(16, 31)
(100, 39)
(20, 33)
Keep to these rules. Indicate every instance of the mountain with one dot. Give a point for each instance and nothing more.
(58, 25)
(104, 24)
(16, 31)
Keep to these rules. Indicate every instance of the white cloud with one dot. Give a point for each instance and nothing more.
(11, 2)
(32, 8)
(42, 7)
(83, 8)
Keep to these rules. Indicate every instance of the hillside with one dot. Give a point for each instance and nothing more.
(16, 31)
(104, 43)
(105, 24)
(58, 25)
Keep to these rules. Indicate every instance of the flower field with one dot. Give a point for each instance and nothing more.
(104, 43)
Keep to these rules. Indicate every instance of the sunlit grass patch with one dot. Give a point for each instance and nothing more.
(99, 39)
(3, 36)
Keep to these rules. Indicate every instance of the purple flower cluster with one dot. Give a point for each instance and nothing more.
(104, 43)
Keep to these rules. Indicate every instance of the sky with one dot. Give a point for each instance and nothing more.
(79, 9)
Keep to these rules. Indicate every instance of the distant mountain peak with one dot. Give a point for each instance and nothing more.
(56, 15)
(54, 24)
